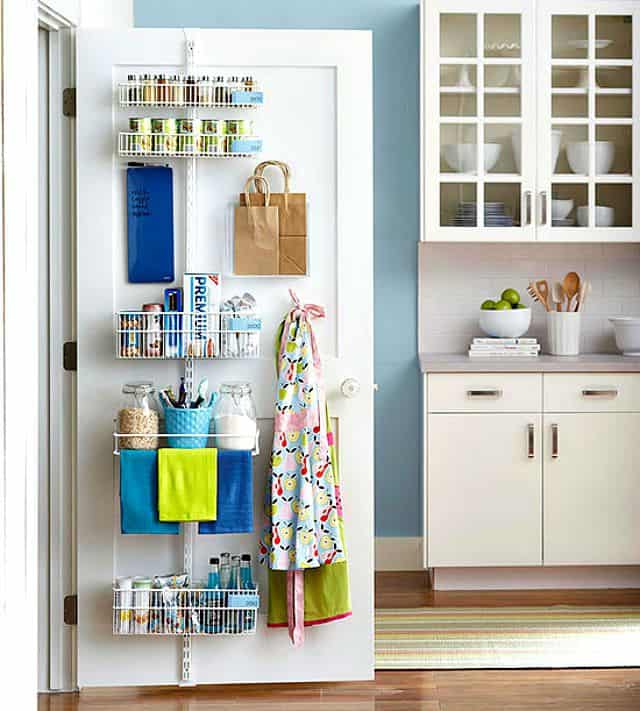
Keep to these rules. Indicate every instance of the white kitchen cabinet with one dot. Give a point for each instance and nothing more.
(592, 488)
(485, 489)
(529, 116)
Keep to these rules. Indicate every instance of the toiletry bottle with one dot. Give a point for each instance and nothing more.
(213, 581)
(246, 578)
(234, 582)
(225, 570)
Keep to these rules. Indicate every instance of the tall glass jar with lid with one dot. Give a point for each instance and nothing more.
(234, 413)
(139, 415)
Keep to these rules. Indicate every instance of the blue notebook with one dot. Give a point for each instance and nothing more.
(150, 224)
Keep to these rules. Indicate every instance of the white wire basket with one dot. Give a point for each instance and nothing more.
(188, 145)
(174, 335)
(176, 94)
(157, 440)
(178, 611)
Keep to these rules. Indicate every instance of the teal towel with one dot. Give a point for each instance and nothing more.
(139, 493)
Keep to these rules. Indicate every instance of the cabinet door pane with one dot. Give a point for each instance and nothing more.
(587, 113)
(484, 492)
(592, 489)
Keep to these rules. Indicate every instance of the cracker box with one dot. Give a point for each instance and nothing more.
(202, 314)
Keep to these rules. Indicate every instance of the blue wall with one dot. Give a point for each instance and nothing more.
(395, 25)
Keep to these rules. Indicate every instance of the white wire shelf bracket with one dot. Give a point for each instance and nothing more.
(215, 335)
(180, 94)
(188, 145)
(197, 611)
(157, 440)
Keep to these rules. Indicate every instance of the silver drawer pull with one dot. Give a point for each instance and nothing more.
(530, 442)
(485, 392)
(554, 442)
(600, 392)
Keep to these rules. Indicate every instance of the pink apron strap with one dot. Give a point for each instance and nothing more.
(295, 606)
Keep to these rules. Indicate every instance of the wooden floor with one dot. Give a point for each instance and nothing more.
(540, 690)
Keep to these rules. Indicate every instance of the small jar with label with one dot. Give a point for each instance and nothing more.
(139, 416)
(234, 417)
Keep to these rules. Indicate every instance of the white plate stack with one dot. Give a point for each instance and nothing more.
(504, 348)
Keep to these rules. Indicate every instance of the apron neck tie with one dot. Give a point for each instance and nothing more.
(308, 310)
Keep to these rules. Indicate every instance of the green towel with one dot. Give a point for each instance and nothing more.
(187, 484)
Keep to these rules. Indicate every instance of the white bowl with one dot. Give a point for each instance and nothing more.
(561, 208)
(578, 156)
(605, 216)
(627, 333)
(505, 324)
(462, 157)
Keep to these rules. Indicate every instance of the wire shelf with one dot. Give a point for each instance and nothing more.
(215, 335)
(196, 611)
(156, 440)
(180, 94)
(187, 145)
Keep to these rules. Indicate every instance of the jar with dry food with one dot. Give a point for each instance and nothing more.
(139, 415)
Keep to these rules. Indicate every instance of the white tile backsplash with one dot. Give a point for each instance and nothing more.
(456, 278)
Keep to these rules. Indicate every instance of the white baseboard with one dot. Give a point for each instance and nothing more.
(552, 578)
(398, 553)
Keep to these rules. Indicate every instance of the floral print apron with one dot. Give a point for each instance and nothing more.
(302, 502)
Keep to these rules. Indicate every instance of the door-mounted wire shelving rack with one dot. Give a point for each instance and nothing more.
(184, 336)
(154, 440)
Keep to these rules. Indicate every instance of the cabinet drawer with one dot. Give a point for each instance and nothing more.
(592, 392)
(484, 392)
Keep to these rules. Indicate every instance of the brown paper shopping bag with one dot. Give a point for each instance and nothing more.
(256, 232)
(292, 217)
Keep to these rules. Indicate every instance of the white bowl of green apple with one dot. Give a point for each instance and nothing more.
(505, 317)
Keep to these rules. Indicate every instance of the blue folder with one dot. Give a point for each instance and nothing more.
(150, 224)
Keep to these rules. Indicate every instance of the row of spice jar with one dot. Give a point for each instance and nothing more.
(189, 90)
(179, 144)
(220, 127)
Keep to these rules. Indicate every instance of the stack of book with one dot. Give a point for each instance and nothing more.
(504, 347)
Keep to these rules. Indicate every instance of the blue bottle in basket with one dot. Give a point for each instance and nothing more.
(187, 422)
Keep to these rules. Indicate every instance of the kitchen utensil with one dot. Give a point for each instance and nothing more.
(462, 157)
(535, 295)
(605, 216)
(560, 208)
(585, 289)
(510, 323)
(557, 295)
(563, 333)
(578, 156)
(542, 286)
(571, 286)
(627, 334)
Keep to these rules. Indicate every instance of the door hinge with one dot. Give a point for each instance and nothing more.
(71, 610)
(69, 101)
(70, 355)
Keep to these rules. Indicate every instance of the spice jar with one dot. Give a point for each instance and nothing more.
(139, 415)
(234, 413)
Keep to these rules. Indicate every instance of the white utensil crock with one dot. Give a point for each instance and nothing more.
(563, 332)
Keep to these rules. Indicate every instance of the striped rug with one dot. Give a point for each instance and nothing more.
(507, 638)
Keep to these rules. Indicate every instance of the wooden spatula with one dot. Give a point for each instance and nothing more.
(543, 289)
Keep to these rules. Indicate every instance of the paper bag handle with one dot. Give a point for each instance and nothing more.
(286, 172)
(257, 181)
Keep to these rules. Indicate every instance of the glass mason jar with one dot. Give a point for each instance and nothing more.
(139, 415)
(234, 413)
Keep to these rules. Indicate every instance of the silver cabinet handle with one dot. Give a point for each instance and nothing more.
(530, 442)
(485, 392)
(554, 442)
(600, 392)
(543, 208)
(526, 209)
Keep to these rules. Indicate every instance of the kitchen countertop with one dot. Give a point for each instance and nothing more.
(592, 363)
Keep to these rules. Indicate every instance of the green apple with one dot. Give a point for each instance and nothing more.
(520, 306)
(510, 295)
(488, 305)
(503, 305)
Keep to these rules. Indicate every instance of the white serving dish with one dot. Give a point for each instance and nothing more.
(627, 333)
(605, 216)
(578, 156)
(462, 157)
(505, 324)
(560, 209)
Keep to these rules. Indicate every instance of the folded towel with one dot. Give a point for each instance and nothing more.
(187, 482)
(235, 494)
(139, 493)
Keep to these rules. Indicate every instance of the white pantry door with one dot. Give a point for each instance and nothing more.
(317, 117)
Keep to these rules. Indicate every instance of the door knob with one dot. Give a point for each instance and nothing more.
(350, 387)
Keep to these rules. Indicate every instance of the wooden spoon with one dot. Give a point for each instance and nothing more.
(571, 286)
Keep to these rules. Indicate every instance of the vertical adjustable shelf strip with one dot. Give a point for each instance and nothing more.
(188, 528)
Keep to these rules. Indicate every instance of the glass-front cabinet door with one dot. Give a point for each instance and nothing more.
(479, 114)
(588, 112)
